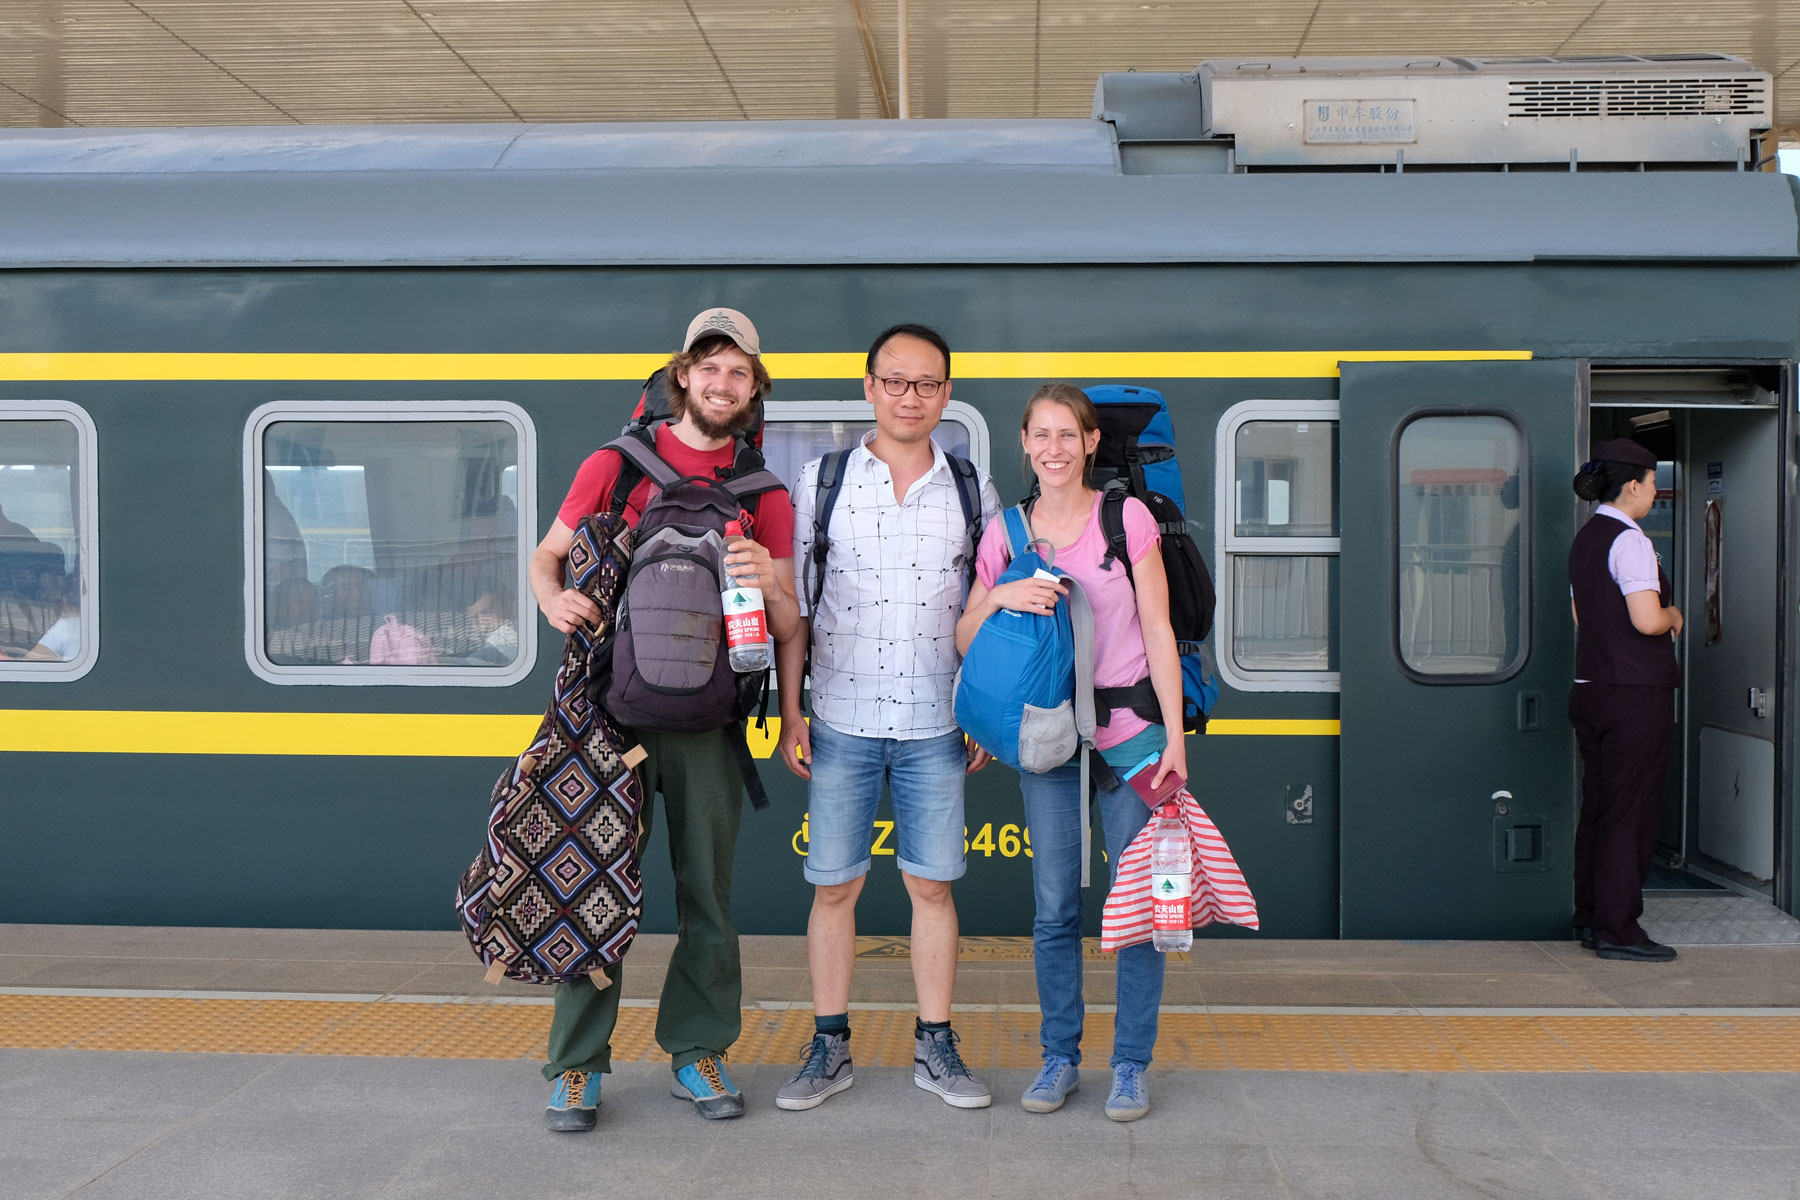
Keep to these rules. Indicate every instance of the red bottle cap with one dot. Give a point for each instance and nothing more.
(734, 529)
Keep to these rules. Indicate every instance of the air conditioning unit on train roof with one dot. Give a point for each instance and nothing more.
(1440, 111)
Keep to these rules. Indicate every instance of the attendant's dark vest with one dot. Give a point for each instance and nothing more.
(1608, 647)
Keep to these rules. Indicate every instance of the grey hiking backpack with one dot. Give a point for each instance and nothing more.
(669, 669)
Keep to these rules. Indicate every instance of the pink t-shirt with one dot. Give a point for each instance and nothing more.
(1119, 658)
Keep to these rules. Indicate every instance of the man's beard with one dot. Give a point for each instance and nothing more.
(702, 421)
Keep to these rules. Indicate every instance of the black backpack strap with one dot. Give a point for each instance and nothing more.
(1139, 697)
(825, 494)
(739, 737)
(968, 494)
(1112, 524)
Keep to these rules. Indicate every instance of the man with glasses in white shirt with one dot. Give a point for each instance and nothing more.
(886, 536)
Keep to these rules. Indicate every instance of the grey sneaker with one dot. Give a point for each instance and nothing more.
(824, 1071)
(938, 1067)
(1052, 1085)
(1130, 1095)
(573, 1102)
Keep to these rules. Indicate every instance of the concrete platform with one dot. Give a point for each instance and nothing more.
(378, 1064)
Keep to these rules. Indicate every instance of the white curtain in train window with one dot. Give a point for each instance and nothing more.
(1281, 612)
(41, 601)
(391, 543)
(1460, 516)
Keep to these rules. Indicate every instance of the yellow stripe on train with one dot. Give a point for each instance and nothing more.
(397, 735)
(1077, 364)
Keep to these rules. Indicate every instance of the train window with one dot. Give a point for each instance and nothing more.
(49, 618)
(390, 544)
(1278, 545)
(1459, 519)
(1286, 479)
(797, 431)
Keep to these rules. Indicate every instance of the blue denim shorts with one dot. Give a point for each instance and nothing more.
(924, 778)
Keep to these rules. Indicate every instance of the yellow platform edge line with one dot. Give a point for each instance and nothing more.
(110, 366)
(1677, 1044)
(389, 735)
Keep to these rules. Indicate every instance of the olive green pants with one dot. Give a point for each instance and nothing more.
(698, 1015)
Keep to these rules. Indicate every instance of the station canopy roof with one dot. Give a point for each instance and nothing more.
(270, 62)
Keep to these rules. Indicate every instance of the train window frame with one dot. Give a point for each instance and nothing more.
(399, 412)
(775, 412)
(1523, 655)
(1228, 544)
(87, 540)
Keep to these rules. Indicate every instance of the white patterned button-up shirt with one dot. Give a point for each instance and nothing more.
(884, 637)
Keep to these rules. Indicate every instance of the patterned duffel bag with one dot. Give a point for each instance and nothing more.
(555, 893)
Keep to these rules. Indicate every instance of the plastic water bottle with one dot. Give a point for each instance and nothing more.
(1171, 881)
(747, 642)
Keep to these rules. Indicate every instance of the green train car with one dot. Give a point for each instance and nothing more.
(262, 389)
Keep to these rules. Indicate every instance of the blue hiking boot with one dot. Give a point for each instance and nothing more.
(574, 1102)
(1130, 1095)
(1052, 1085)
(706, 1083)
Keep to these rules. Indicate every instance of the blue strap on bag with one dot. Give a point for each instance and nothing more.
(1025, 690)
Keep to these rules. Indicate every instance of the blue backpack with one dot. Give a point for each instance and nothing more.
(1137, 458)
(1018, 691)
(1025, 690)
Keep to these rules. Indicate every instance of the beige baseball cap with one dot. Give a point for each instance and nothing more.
(728, 322)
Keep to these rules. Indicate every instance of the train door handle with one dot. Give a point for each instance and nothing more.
(1531, 711)
(1759, 701)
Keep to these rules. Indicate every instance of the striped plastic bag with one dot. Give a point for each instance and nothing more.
(1219, 891)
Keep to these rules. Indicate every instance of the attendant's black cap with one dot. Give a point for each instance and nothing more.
(1626, 451)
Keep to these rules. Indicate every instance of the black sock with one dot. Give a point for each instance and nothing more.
(838, 1024)
(929, 1026)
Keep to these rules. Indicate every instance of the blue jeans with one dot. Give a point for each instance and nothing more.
(924, 779)
(1054, 811)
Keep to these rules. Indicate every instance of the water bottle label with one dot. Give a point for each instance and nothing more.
(1169, 901)
(746, 622)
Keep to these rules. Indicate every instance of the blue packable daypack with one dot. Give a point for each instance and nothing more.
(1025, 691)
(1136, 457)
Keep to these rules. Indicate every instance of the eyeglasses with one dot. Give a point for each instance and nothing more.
(896, 386)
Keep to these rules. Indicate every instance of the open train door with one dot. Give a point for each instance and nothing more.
(1457, 760)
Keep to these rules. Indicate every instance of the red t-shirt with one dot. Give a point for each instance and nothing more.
(773, 512)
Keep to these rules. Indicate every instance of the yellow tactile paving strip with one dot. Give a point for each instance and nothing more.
(992, 1038)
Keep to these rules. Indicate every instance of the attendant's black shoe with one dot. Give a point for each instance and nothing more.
(1635, 952)
(1585, 935)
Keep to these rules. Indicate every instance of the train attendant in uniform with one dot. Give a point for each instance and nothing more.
(1133, 640)
(1623, 702)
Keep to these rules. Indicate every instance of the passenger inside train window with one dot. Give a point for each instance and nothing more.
(62, 641)
(495, 613)
(40, 616)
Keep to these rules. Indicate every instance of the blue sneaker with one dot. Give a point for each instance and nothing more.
(1052, 1085)
(1130, 1095)
(706, 1083)
(573, 1102)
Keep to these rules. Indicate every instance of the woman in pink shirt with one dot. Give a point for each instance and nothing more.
(1132, 641)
